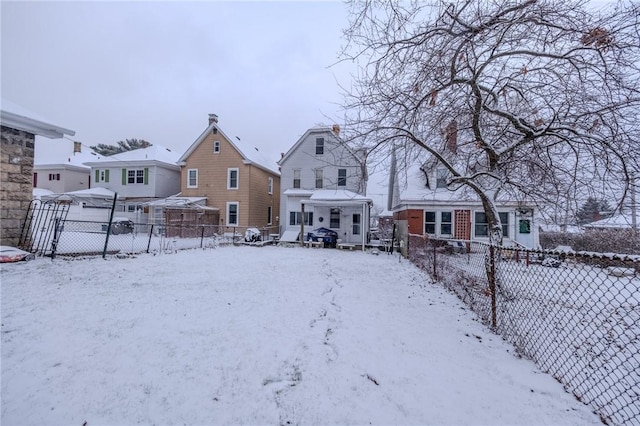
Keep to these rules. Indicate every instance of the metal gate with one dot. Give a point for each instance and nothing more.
(42, 226)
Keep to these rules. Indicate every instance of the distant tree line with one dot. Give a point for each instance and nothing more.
(121, 146)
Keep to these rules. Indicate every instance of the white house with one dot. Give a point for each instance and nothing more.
(59, 166)
(145, 173)
(322, 185)
(423, 204)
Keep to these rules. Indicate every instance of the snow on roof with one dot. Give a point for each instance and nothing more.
(412, 188)
(18, 117)
(92, 192)
(248, 151)
(60, 152)
(158, 153)
(181, 202)
(39, 192)
(616, 221)
(337, 195)
(298, 192)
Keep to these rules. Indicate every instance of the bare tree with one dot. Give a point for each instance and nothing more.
(538, 99)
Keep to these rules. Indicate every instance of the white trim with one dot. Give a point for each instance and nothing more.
(270, 185)
(189, 178)
(237, 204)
(216, 147)
(229, 171)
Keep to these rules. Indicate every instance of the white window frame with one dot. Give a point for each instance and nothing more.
(229, 171)
(102, 175)
(237, 204)
(216, 147)
(442, 176)
(430, 223)
(319, 178)
(342, 180)
(444, 223)
(319, 146)
(270, 186)
(189, 185)
(135, 175)
(297, 180)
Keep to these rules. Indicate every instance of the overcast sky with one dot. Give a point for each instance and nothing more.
(155, 70)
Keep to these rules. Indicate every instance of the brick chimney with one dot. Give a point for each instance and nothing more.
(213, 118)
(336, 129)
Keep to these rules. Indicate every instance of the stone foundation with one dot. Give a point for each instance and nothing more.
(16, 182)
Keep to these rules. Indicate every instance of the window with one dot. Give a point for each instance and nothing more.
(216, 147)
(430, 222)
(445, 223)
(319, 146)
(482, 225)
(54, 176)
(296, 217)
(319, 178)
(296, 178)
(269, 214)
(232, 214)
(270, 186)
(504, 218)
(356, 224)
(524, 226)
(441, 178)
(232, 181)
(192, 178)
(334, 218)
(342, 177)
(135, 176)
(102, 175)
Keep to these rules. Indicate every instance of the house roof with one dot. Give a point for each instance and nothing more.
(411, 187)
(302, 138)
(619, 221)
(97, 192)
(182, 202)
(153, 153)
(59, 153)
(336, 197)
(251, 154)
(17, 117)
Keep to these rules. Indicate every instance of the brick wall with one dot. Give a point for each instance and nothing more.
(16, 185)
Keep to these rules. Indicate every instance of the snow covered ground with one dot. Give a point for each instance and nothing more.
(257, 335)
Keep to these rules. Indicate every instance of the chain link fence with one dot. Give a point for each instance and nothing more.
(577, 315)
(125, 237)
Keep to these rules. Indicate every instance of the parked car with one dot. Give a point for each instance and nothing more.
(325, 235)
(121, 225)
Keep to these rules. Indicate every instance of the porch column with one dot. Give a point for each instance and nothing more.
(302, 224)
(362, 222)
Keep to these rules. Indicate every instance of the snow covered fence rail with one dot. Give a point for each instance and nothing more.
(577, 315)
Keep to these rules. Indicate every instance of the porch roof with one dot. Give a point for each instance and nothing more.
(339, 197)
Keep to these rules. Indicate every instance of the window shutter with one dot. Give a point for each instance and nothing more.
(146, 176)
(106, 175)
(97, 175)
(124, 176)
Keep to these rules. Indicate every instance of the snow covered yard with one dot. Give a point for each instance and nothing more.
(246, 335)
